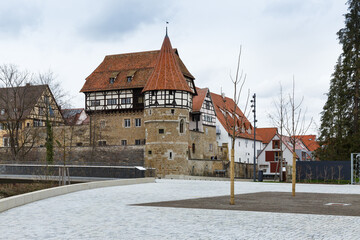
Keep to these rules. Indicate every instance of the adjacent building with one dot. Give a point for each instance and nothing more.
(24, 108)
(244, 135)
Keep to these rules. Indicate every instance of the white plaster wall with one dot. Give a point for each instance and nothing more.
(244, 152)
(286, 154)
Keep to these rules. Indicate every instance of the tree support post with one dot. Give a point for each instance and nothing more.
(232, 171)
(294, 174)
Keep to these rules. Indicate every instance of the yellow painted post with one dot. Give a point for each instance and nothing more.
(232, 171)
(294, 174)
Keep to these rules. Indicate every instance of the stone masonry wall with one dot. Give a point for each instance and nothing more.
(202, 142)
(107, 155)
(166, 147)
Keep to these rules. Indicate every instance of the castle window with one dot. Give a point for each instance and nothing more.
(161, 131)
(137, 142)
(79, 144)
(126, 100)
(149, 152)
(102, 143)
(181, 126)
(210, 147)
(127, 123)
(170, 155)
(137, 122)
(130, 75)
(111, 80)
(172, 111)
(102, 124)
(111, 101)
(193, 147)
(123, 142)
(95, 103)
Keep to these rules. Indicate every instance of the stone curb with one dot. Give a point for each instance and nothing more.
(15, 201)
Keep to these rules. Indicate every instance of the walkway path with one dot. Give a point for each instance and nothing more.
(106, 214)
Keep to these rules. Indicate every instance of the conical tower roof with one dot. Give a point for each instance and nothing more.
(167, 74)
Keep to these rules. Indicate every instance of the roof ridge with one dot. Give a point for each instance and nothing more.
(167, 74)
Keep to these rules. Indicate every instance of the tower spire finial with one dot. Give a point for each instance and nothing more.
(167, 27)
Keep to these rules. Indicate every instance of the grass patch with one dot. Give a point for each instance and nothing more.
(12, 189)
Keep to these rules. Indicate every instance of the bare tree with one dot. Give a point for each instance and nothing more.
(295, 125)
(278, 120)
(16, 102)
(236, 126)
(61, 96)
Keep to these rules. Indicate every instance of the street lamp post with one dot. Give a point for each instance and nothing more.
(253, 101)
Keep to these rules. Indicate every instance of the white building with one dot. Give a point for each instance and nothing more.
(244, 141)
(269, 157)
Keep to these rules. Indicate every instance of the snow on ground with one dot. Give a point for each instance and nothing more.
(106, 213)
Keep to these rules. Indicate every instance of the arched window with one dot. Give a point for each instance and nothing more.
(181, 125)
(193, 147)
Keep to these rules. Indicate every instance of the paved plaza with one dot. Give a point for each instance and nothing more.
(110, 213)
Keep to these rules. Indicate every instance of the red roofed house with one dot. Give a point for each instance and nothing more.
(310, 143)
(149, 99)
(244, 143)
(269, 157)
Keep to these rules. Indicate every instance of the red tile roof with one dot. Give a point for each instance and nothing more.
(167, 74)
(266, 134)
(226, 105)
(199, 99)
(309, 141)
(140, 65)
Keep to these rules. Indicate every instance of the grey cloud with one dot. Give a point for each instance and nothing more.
(121, 17)
(15, 16)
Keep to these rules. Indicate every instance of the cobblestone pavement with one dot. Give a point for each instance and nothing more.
(106, 214)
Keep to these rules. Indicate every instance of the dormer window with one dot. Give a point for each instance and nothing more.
(130, 75)
(113, 76)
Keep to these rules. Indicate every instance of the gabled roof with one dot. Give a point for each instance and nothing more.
(139, 65)
(71, 116)
(309, 141)
(23, 98)
(167, 74)
(199, 99)
(266, 134)
(224, 107)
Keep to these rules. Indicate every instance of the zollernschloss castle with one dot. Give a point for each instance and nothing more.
(150, 98)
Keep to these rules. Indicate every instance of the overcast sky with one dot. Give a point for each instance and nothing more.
(280, 39)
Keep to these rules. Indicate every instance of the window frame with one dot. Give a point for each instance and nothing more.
(127, 123)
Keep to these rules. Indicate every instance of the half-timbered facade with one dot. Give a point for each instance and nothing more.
(25, 107)
(147, 98)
